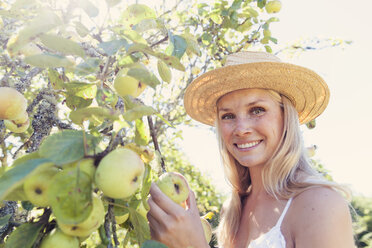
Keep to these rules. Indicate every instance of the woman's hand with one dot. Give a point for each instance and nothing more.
(171, 224)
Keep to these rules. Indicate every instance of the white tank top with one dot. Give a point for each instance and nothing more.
(273, 238)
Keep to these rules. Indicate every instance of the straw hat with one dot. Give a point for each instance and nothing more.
(303, 87)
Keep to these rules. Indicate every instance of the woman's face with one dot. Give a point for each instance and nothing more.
(251, 125)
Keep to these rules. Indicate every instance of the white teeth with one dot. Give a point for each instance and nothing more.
(248, 145)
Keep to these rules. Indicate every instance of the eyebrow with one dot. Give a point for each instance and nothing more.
(246, 105)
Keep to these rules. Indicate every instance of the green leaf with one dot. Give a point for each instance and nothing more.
(140, 226)
(206, 38)
(70, 196)
(43, 22)
(146, 183)
(144, 76)
(88, 66)
(63, 45)
(81, 29)
(273, 40)
(216, 18)
(138, 112)
(146, 24)
(48, 60)
(83, 90)
(172, 61)
(24, 236)
(153, 244)
(268, 49)
(63, 147)
(4, 220)
(14, 177)
(55, 79)
(113, 46)
(133, 36)
(192, 43)
(88, 7)
(261, 3)
(96, 115)
(77, 102)
(142, 134)
(164, 71)
(112, 3)
(136, 13)
(179, 45)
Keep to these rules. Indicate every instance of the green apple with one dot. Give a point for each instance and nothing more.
(86, 165)
(127, 85)
(37, 183)
(121, 218)
(273, 6)
(90, 224)
(19, 125)
(207, 228)
(12, 104)
(174, 185)
(57, 239)
(120, 173)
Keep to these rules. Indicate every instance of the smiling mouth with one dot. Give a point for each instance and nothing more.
(247, 145)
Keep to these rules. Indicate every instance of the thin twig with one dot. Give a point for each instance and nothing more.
(156, 144)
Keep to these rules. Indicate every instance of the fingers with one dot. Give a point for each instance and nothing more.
(163, 201)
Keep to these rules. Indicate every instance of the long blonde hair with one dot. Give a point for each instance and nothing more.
(285, 175)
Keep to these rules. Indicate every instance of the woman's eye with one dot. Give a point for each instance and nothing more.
(227, 116)
(257, 110)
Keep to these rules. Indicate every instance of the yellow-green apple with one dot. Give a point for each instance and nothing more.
(19, 125)
(121, 218)
(37, 183)
(119, 173)
(12, 104)
(207, 229)
(86, 165)
(57, 239)
(174, 185)
(127, 85)
(90, 224)
(273, 6)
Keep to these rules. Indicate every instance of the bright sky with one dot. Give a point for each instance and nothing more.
(344, 131)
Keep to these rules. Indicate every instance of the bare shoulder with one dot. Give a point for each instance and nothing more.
(320, 217)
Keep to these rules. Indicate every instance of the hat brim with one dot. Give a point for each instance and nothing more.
(303, 87)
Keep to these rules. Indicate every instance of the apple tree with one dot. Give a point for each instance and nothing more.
(101, 85)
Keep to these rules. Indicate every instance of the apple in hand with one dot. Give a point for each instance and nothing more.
(207, 229)
(90, 224)
(12, 104)
(57, 239)
(37, 183)
(127, 85)
(174, 185)
(273, 6)
(120, 173)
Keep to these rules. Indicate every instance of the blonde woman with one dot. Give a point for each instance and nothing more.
(257, 103)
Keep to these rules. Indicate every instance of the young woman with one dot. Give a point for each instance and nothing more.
(257, 103)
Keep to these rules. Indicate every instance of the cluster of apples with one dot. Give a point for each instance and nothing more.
(13, 110)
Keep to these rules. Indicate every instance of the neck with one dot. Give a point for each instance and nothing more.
(257, 188)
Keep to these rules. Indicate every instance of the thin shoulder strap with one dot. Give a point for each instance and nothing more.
(279, 223)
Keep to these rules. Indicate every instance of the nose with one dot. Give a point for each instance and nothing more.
(243, 127)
